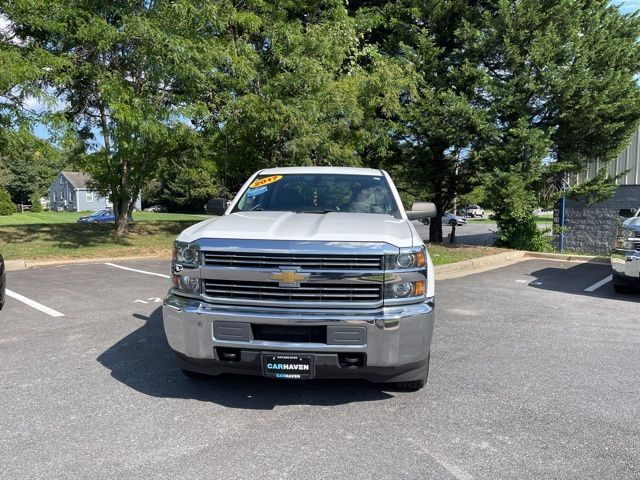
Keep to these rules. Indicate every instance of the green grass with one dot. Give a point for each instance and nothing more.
(444, 254)
(72, 240)
(542, 219)
(48, 218)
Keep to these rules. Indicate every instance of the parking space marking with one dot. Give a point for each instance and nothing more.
(597, 285)
(34, 304)
(138, 271)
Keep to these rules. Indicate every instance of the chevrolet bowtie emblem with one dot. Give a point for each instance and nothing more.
(289, 278)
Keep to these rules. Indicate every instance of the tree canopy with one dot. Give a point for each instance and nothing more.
(186, 98)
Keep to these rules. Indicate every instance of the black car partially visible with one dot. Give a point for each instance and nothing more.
(3, 282)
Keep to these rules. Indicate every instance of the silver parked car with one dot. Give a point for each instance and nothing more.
(451, 219)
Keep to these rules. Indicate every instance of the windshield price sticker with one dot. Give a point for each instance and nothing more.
(254, 192)
(265, 181)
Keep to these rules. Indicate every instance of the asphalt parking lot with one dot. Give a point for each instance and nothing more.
(535, 373)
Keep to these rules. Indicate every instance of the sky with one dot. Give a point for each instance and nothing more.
(627, 6)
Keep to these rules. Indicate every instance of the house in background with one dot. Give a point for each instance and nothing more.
(70, 192)
(593, 228)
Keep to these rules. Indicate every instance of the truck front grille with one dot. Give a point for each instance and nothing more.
(307, 292)
(637, 246)
(306, 261)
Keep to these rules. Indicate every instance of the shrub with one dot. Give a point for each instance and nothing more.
(36, 206)
(7, 207)
(514, 205)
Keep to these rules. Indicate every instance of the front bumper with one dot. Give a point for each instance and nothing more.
(394, 341)
(626, 264)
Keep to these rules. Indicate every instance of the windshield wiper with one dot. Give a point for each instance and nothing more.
(321, 212)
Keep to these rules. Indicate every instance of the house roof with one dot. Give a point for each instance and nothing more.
(77, 179)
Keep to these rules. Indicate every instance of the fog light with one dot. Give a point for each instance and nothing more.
(403, 289)
(189, 283)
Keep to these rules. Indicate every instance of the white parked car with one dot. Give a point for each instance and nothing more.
(451, 219)
(474, 211)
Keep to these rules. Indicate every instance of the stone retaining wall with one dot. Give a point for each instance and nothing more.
(592, 229)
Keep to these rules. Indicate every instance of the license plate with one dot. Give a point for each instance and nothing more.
(287, 366)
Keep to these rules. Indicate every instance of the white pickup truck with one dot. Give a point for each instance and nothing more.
(625, 257)
(309, 272)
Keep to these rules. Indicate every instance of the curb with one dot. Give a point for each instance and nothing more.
(25, 264)
(476, 265)
(569, 258)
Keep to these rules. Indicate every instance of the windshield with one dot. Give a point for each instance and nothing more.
(319, 193)
(101, 213)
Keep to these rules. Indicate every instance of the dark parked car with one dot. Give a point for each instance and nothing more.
(3, 282)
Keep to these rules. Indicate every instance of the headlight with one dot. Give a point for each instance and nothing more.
(188, 284)
(406, 259)
(186, 253)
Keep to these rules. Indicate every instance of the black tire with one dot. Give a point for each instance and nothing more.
(415, 385)
(623, 288)
(452, 222)
(194, 375)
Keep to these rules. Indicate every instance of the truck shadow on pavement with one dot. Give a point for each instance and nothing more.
(576, 278)
(143, 361)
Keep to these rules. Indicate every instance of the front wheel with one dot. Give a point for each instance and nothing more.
(453, 223)
(415, 385)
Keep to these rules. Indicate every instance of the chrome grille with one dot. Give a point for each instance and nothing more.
(308, 262)
(637, 246)
(307, 292)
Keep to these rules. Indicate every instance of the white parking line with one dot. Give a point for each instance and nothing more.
(34, 304)
(136, 270)
(597, 285)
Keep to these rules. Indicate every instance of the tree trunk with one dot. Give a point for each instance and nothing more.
(435, 227)
(121, 211)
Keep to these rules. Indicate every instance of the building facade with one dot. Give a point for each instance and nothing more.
(593, 228)
(70, 192)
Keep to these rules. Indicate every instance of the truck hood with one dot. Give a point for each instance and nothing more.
(334, 226)
(633, 222)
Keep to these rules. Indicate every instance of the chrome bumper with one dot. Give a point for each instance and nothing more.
(393, 336)
(626, 263)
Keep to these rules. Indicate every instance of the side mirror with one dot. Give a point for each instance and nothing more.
(421, 211)
(217, 206)
(627, 212)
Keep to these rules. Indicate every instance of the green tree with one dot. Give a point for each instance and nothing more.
(7, 207)
(315, 89)
(128, 73)
(439, 130)
(187, 176)
(32, 163)
(562, 90)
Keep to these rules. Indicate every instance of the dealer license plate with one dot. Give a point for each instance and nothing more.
(287, 366)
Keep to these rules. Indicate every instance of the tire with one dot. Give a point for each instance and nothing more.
(415, 385)
(194, 375)
(623, 288)
(453, 223)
